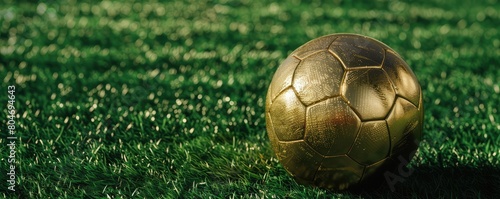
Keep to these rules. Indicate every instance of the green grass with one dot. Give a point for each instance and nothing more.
(164, 100)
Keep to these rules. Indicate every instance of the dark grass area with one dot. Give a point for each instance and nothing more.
(164, 100)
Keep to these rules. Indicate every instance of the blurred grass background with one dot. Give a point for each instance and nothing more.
(157, 99)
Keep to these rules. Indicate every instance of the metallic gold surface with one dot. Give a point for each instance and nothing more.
(317, 80)
(369, 92)
(331, 127)
(340, 108)
(288, 114)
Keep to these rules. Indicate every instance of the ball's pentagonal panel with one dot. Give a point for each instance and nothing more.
(338, 173)
(287, 116)
(369, 92)
(282, 79)
(404, 120)
(402, 77)
(314, 46)
(358, 51)
(318, 76)
(372, 143)
(331, 127)
(299, 159)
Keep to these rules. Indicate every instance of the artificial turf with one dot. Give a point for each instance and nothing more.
(124, 99)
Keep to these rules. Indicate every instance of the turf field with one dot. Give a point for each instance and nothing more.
(116, 99)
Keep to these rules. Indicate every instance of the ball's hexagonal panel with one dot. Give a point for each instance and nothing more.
(287, 115)
(402, 77)
(299, 159)
(372, 143)
(313, 46)
(373, 169)
(358, 51)
(338, 173)
(318, 76)
(369, 92)
(268, 99)
(282, 79)
(420, 128)
(331, 127)
(270, 133)
(404, 122)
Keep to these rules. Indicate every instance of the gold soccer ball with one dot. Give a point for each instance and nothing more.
(341, 109)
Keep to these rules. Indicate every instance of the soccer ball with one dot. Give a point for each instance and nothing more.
(342, 109)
